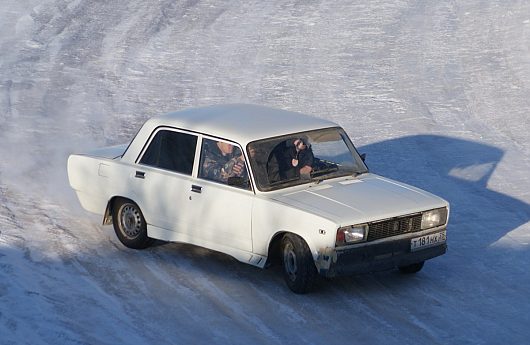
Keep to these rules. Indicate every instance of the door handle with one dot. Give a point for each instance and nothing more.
(139, 174)
(196, 189)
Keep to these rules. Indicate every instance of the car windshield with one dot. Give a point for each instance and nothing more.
(305, 157)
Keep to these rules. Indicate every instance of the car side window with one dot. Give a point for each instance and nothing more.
(170, 150)
(223, 162)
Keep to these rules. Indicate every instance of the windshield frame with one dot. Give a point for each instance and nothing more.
(257, 168)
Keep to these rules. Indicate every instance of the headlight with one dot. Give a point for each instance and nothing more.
(433, 218)
(351, 234)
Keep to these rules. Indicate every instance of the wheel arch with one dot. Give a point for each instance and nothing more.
(107, 215)
(274, 250)
(274, 255)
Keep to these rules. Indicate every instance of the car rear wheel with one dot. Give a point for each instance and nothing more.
(298, 265)
(410, 269)
(129, 224)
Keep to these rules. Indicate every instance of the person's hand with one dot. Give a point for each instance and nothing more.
(238, 168)
(306, 170)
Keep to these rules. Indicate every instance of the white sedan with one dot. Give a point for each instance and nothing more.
(258, 183)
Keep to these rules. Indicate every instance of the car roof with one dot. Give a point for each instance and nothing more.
(242, 123)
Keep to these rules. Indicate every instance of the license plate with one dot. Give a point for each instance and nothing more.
(427, 241)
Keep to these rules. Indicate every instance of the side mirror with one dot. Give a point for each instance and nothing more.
(363, 157)
(238, 181)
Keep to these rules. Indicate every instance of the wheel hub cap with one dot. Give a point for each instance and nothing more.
(131, 221)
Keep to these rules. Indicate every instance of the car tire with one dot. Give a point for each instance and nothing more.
(129, 224)
(298, 265)
(413, 268)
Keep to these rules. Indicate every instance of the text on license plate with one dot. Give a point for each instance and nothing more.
(427, 241)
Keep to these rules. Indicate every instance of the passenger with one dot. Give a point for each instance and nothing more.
(221, 160)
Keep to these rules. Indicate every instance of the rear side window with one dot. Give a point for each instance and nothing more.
(171, 150)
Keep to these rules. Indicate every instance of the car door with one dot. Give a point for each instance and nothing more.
(163, 178)
(222, 204)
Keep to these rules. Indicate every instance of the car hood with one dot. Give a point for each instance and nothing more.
(359, 200)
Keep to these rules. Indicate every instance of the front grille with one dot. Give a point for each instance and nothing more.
(394, 226)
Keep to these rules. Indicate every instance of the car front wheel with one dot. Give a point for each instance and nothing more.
(298, 264)
(129, 224)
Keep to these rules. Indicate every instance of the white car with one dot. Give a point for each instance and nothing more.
(258, 183)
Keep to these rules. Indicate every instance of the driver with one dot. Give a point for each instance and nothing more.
(302, 157)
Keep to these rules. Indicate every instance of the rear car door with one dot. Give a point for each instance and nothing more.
(163, 178)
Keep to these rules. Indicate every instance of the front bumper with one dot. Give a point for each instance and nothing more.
(377, 256)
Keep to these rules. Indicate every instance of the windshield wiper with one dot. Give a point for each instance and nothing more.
(359, 173)
(324, 171)
(275, 183)
(324, 175)
(320, 175)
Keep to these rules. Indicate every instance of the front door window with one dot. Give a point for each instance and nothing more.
(223, 162)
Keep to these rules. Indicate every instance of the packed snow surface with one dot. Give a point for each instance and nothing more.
(435, 92)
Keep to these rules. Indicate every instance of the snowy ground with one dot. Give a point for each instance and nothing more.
(436, 92)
